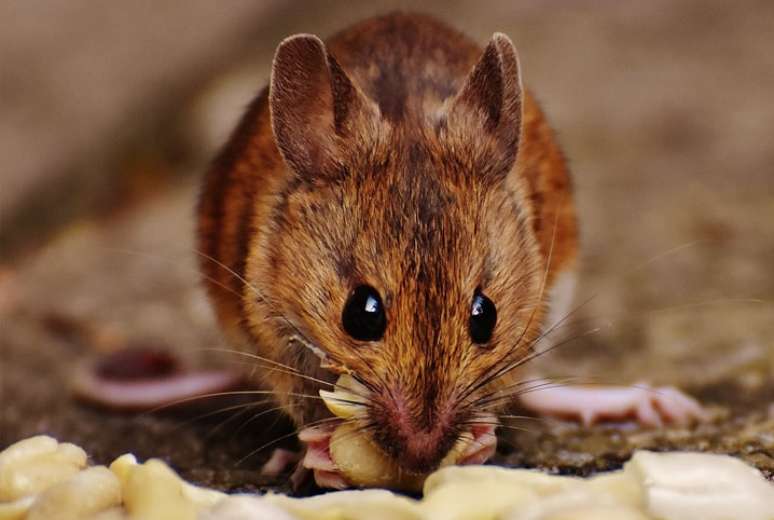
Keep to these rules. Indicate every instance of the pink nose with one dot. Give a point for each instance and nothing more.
(423, 451)
(417, 441)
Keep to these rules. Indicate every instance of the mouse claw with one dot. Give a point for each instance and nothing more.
(318, 457)
(482, 447)
(649, 406)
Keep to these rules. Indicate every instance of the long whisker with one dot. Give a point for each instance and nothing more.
(501, 371)
(499, 425)
(155, 257)
(256, 416)
(359, 429)
(521, 417)
(219, 411)
(262, 297)
(283, 437)
(509, 390)
(487, 377)
(236, 416)
(494, 401)
(272, 365)
(225, 394)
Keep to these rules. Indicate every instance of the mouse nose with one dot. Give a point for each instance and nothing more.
(418, 439)
(422, 451)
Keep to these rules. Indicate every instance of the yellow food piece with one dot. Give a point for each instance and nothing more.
(366, 504)
(342, 402)
(652, 486)
(364, 465)
(81, 496)
(593, 512)
(17, 509)
(123, 466)
(474, 500)
(32, 465)
(246, 508)
(155, 492)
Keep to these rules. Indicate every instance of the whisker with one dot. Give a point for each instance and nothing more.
(359, 430)
(283, 437)
(487, 404)
(515, 364)
(661, 255)
(214, 431)
(499, 425)
(512, 390)
(273, 365)
(225, 394)
(262, 297)
(144, 254)
(521, 417)
(212, 413)
(256, 416)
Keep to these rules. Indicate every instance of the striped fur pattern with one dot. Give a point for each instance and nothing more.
(401, 155)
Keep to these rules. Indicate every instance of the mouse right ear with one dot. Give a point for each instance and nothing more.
(314, 106)
(488, 108)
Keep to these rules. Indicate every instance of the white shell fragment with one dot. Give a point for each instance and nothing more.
(347, 399)
(652, 486)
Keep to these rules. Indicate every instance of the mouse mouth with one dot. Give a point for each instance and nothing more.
(416, 450)
(361, 461)
(422, 453)
(339, 445)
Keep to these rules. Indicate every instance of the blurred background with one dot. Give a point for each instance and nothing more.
(110, 112)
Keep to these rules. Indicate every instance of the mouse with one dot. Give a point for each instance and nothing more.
(394, 207)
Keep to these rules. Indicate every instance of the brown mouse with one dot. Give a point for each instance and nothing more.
(394, 206)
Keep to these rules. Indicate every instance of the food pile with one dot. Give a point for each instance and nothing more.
(41, 478)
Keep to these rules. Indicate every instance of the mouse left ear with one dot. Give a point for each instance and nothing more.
(314, 107)
(488, 107)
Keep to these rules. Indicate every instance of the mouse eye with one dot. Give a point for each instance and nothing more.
(363, 317)
(483, 317)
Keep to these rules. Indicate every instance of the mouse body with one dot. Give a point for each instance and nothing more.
(393, 206)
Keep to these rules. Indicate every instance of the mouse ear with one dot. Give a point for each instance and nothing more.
(313, 106)
(488, 108)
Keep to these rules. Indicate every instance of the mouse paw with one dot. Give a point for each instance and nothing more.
(279, 461)
(482, 446)
(318, 457)
(649, 406)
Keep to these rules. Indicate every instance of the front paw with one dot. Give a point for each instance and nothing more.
(317, 457)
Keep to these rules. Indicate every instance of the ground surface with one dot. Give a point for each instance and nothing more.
(665, 111)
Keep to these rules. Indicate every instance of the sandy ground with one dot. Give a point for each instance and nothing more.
(665, 112)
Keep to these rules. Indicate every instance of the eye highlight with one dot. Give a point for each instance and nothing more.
(363, 317)
(483, 317)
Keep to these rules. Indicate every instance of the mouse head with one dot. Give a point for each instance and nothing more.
(402, 249)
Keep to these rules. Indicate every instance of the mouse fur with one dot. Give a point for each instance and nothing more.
(399, 154)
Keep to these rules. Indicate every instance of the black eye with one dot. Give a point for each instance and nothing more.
(363, 317)
(483, 317)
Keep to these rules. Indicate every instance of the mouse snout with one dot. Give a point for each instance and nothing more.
(417, 437)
